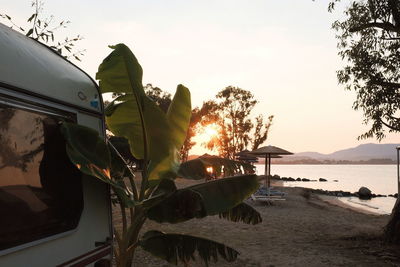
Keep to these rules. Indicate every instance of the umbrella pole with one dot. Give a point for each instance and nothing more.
(269, 170)
(266, 170)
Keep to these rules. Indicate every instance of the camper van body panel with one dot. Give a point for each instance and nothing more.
(33, 76)
(94, 225)
(31, 66)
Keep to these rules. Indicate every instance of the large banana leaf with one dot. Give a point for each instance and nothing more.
(120, 72)
(164, 189)
(137, 118)
(175, 247)
(178, 115)
(205, 199)
(196, 169)
(89, 153)
(167, 168)
(181, 206)
(151, 133)
(242, 212)
(123, 119)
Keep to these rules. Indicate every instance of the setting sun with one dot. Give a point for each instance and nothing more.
(211, 130)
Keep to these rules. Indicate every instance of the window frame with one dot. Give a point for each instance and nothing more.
(39, 106)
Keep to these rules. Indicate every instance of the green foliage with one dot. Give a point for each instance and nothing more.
(90, 154)
(87, 151)
(369, 44)
(43, 29)
(174, 247)
(204, 199)
(158, 142)
(136, 118)
(243, 213)
(163, 100)
(178, 115)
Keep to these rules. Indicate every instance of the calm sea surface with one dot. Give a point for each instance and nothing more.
(380, 179)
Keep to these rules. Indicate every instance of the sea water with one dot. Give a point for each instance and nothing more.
(380, 179)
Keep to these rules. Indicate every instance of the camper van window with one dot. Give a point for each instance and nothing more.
(40, 190)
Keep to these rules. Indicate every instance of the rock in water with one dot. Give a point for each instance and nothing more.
(364, 193)
(276, 177)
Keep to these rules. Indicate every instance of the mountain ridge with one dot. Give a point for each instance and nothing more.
(360, 152)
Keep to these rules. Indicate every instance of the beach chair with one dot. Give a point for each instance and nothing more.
(268, 195)
(270, 191)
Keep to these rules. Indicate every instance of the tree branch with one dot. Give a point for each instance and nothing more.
(393, 5)
(385, 84)
(387, 26)
(389, 126)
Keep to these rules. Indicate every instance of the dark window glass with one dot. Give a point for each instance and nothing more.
(40, 190)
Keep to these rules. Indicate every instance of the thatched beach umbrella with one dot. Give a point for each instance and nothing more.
(269, 152)
(246, 157)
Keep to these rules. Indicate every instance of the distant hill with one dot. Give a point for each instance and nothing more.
(361, 152)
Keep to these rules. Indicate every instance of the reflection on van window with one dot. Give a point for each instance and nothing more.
(40, 190)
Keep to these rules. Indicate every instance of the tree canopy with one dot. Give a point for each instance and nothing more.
(231, 112)
(369, 44)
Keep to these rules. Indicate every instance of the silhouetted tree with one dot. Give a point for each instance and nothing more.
(236, 132)
(163, 99)
(201, 117)
(369, 43)
(261, 131)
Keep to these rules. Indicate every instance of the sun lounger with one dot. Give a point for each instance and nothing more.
(269, 200)
(263, 191)
(268, 195)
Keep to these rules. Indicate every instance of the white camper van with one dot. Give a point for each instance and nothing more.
(49, 214)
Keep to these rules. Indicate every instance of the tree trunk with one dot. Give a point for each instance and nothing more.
(392, 229)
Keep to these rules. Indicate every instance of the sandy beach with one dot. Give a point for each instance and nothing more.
(300, 231)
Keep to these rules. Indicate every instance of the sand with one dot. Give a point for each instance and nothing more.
(304, 230)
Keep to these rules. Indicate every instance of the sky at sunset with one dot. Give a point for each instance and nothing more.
(284, 52)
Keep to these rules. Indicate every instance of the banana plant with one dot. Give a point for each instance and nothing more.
(155, 138)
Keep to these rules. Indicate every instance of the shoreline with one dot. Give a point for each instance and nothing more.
(380, 179)
(337, 202)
